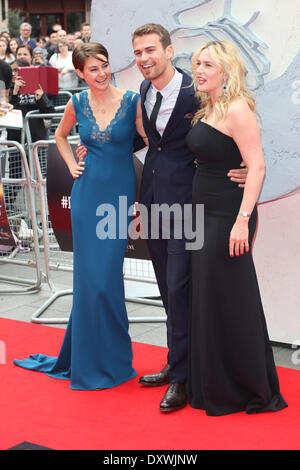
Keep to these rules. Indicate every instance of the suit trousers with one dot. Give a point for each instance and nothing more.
(172, 263)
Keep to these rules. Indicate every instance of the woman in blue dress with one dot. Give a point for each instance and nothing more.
(96, 352)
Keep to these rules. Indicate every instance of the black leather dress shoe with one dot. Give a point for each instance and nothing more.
(155, 380)
(175, 398)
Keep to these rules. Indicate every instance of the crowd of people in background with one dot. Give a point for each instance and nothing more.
(47, 45)
(52, 50)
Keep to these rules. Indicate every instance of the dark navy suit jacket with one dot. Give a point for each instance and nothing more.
(169, 164)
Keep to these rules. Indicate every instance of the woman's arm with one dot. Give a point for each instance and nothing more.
(61, 133)
(68, 66)
(43, 102)
(67, 69)
(15, 97)
(242, 125)
(52, 60)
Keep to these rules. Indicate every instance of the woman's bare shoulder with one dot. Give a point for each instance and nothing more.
(239, 105)
(239, 112)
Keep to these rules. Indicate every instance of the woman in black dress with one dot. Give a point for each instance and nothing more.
(231, 365)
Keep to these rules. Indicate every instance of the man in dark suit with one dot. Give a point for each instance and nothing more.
(168, 105)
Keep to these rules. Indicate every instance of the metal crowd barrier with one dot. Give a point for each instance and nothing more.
(62, 98)
(26, 139)
(18, 193)
(57, 260)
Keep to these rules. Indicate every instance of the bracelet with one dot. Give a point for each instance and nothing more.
(245, 214)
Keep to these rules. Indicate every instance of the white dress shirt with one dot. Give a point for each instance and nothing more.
(170, 94)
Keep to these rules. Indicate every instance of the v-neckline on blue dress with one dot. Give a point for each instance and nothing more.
(113, 120)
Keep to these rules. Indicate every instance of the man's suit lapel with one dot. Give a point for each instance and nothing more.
(143, 91)
(148, 129)
(182, 104)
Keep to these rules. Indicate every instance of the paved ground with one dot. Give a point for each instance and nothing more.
(23, 307)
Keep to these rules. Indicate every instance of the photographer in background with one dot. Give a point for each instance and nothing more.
(25, 102)
(28, 102)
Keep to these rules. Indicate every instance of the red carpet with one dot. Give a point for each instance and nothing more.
(44, 411)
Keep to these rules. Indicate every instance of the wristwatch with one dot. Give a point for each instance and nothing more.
(244, 214)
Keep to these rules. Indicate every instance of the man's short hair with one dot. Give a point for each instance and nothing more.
(26, 24)
(153, 28)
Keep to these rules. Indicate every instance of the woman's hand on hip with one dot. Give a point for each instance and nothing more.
(77, 169)
(81, 151)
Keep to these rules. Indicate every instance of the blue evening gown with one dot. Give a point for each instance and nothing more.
(96, 350)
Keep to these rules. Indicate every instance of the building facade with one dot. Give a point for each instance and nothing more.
(42, 15)
(3, 15)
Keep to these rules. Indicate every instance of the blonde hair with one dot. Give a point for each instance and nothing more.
(227, 56)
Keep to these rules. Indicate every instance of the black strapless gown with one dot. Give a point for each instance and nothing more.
(231, 364)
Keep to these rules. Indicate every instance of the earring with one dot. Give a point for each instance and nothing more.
(224, 86)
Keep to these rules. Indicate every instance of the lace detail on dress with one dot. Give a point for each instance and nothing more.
(105, 135)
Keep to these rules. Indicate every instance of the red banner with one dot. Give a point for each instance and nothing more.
(6, 236)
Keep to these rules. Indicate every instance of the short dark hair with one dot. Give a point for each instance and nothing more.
(153, 28)
(20, 63)
(85, 50)
(25, 46)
